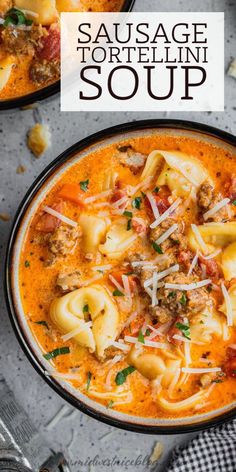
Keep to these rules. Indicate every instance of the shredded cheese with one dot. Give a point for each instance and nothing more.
(102, 268)
(125, 280)
(196, 370)
(166, 234)
(157, 345)
(166, 214)
(74, 332)
(117, 285)
(120, 202)
(121, 346)
(130, 319)
(127, 242)
(154, 289)
(228, 305)
(153, 204)
(212, 255)
(199, 238)
(161, 275)
(193, 264)
(192, 286)
(61, 217)
(216, 208)
(97, 197)
(144, 184)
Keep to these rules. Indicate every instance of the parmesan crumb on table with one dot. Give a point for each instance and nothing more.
(39, 139)
(20, 169)
(157, 452)
(232, 69)
(4, 216)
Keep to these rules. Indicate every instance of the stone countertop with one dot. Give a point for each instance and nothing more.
(82, 436)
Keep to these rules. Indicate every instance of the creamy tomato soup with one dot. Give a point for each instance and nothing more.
(128, 276)
(30, 41)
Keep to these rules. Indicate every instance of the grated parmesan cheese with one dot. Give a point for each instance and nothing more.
(193, 264)
(166, 234)
(196, 370)
(199, 238)
(192, 286)
(61, 217)
(153, 204)
(216, 208)
(74, 332)
(161, 275)
(97, 197)
(228, 305)
(166, 214)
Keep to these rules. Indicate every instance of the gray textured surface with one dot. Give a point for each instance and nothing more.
(80, 432)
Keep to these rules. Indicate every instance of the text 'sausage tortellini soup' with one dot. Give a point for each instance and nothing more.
(128, 276)
(30, 41)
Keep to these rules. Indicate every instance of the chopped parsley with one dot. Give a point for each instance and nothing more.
(234, 202)
(89, 376)
(57, 352)
(129, 225)
(156, 190)
(16, 17)
(123, 374)
(185, 329)
(117, 293)
(183, 299)
(128, 213)
(171, 295)
(27, 263)
(148, 332)
(157, 248)
(42, 323)
(141, 337)
(84, 185)
(86, 309)
(136, 203)
(110, 404)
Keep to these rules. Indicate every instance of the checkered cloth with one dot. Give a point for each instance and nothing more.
(213, 450)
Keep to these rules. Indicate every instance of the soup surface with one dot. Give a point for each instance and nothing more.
(128, 276)
(30, 41)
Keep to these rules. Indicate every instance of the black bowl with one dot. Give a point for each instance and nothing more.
(23, 216)
(45, 92)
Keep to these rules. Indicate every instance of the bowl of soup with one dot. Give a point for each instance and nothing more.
(121, 276)
(30, 46)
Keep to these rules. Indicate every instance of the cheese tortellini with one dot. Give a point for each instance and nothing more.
(6, 65)
(229, 261)
(93, 230)
(152, 366)
(153, 164)
(68, 5)
(215, 234)
(205, 325)
(116, 239)
(232, 294)
(68, 314)
(45, 10)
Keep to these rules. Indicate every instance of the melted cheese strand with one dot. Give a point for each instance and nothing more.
(228, 304)
(216, 208)
(61, 217)
(166, 214)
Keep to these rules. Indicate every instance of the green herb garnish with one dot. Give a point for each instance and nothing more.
(156, 190)
(129, 225)
(16, 17)
(157, 248)
(185, 329)
(128, 213)
(57, 352)
(148, 332)
(183, 299)
(234, 202)
(110, 404)
(117, 293)
(141, 337)
(27, 264)
(86, 309)
(123, 374)
(84, 185)
(89, 376)
(42, 323)
(171, 295)
(136, 203)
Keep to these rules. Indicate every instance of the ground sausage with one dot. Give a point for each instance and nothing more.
(20, 42)
(69, 282)
(43, 72)
(130, 158)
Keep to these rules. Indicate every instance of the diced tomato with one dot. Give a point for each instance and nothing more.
(230, 367)
(231, 352)
(139, 225)
(212, 268)
(174, 330)
(118, 276)
(161, 199)
(50, 45)
(48, 223)
(118, 195)
(73, 193)
(184, 258)
(135, 326)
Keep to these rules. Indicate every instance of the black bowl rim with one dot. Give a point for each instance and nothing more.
(48, 91)
(50, 169)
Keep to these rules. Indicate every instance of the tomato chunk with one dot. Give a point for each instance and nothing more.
(161, 199)
(117, 275)
(73, 193)
(212, 268)
(50, 45)
(48, 223)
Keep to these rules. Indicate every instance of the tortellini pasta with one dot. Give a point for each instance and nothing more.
(214, 235)
(45, 10)
(110, 178)
(232, 294)
(68, 5)
(116, 239)
(93, 230)
(152, 366)
(229, 261)
(205, 325)
(154, 163)
(68, 314)
(175, 181)
(6, 65)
